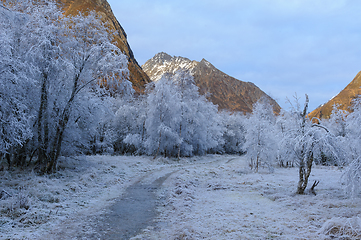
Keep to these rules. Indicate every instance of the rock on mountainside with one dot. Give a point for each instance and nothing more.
(137, 76)
(343, 99)
(225, 91)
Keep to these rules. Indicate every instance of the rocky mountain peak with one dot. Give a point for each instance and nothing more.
(225, 91)
(161, 57)
(206, 63)
(163, 63)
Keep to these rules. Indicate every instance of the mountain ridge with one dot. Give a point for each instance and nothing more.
(343, 100)
(227, 92)
(71, 7)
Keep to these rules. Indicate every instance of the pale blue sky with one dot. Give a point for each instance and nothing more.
(283, 46)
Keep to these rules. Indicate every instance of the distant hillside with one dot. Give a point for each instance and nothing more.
(102, 7)
(343, 99)
(227, 92)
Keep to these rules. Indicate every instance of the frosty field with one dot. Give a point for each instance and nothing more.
(210, 197)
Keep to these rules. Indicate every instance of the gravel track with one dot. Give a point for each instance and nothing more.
(133, 212)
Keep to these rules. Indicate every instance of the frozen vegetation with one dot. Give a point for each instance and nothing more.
(74, 141)
(210, 197)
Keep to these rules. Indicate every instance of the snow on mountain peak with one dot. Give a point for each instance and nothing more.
(208, 64)
(223, 90)
(163, 63)
(161, 57)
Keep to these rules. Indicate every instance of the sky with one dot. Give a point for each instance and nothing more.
(285, 47)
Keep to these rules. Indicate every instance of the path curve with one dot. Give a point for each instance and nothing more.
(133, 212)
(136, 209)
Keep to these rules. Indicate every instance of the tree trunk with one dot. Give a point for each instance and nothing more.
(43, 129)
(19, 156)
(180, 136)
(160, 136)
(143, 131)
(257, 162)
(304, 171)
(301, 173)
(304, 174)
(8, 159)
(63, 121)
(58, 140)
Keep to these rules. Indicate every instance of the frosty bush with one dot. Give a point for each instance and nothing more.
(261, 143)
(342, 228)
(129, 125)
(14, 204)
(337, 123)
(351, 144)
(234, 132)
(22, 200)
(352, 178)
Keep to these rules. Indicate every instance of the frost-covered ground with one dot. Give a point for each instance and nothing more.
(211, 197)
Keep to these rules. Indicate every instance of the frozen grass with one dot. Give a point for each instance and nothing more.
(211, 197)
(48, 207)
(225, 200)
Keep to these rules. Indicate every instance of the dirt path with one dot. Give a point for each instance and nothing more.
(131, 213)
(125, 216)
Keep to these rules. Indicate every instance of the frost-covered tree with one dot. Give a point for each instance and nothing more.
(16, 81)
(129, 124)
(337, 121)
(234, 133)
(353, 131)
(286, 123)
(199, 126)
(307, 143)
(261, 144)
(92, 131)
(352, 175)
(163, 121)
(179, 121)
(73, 63)
(91, 60)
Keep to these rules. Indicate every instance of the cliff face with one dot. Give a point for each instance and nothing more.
(343, 99)
(136, 75)
(225, 91)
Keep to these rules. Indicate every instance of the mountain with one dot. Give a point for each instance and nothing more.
(343, 99)
(227, 92)
(137, 76)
